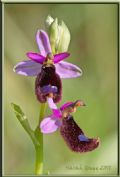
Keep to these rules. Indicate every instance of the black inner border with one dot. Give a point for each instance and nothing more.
(117, 3)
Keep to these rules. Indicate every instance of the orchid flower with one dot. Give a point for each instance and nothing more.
(48, 68)
(72, 134)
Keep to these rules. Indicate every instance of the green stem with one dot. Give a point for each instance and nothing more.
(39, 148)
(36, 136)
(42, 111)
(39, 160)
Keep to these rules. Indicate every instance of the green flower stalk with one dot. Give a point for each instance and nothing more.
(39, 148)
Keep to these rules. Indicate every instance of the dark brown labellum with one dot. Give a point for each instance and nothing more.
(75, 138)
(48, 77)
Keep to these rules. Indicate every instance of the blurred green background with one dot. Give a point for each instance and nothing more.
(93, 47)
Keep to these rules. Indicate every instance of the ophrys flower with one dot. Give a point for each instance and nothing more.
(73, 135)
(48, 68)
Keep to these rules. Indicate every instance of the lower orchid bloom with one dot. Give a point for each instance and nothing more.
(72, 134)
(48, 68)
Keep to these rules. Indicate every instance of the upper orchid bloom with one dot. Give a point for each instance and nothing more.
(33, 67)
(48, 68)
(70, 131)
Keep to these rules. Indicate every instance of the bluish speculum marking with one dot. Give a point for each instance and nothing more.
(49, 89)
(83, 138)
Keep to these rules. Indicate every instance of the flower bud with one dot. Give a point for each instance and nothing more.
(59, 35)
(48, 21)
(63, 38)
(53, 33)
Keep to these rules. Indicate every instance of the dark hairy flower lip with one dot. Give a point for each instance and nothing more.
(70, 132)
(48, 76)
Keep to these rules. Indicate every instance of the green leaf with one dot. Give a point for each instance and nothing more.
(18, 112)
(24, 122)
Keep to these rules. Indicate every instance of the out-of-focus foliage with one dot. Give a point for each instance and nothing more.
(93, 47)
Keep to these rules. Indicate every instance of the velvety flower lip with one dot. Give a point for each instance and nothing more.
(48, 84)
(33, 67)
(73, 135)
(75, 138)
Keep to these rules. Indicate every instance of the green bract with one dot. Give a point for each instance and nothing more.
(59, 35)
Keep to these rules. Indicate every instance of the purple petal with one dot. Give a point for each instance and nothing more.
(51, 104)
(36, 57)
(27, 68)
(57, 113)
(43, 42)
(65, 105)
(49, 125)
(68, 70)
(60, 56)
